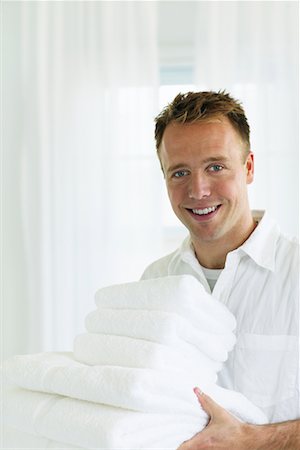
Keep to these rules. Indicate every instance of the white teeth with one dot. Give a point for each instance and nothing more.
(201, 212)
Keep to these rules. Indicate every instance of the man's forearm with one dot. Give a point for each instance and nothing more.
(277, 436)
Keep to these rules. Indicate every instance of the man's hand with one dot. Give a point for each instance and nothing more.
(225, 432)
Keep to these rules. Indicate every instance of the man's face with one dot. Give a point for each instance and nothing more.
(207, 176)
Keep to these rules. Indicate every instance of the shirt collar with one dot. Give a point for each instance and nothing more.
(260, 246)
(186, 253)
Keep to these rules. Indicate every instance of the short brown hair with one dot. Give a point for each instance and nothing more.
(202, 106)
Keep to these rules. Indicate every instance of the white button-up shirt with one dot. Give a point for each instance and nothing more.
(260, 286)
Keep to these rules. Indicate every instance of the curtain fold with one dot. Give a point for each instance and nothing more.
(82, 188)
(251, 49)
(84, 163)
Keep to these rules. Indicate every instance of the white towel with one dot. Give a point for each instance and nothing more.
(91, 425)
(133, 392)
(162, 327)
(101, 349)
(143, 390)
(15, 439)
(181, 294)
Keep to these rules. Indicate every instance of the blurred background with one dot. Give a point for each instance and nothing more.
(84, 202)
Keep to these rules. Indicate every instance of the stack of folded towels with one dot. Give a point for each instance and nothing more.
(129, 382)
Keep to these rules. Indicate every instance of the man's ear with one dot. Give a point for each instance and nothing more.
(249, 165)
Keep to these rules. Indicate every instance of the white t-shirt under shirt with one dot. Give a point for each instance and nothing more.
(260, 286)
(211, 275)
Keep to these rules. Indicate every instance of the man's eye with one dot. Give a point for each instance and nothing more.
(215, 168)
(180, 173)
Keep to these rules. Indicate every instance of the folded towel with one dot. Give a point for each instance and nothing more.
(101, 349)
(91, 425)
(162, 327)
(15, 439)
(142, 390)
(181, 294)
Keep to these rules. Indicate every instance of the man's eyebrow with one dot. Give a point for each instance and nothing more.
(217, 158)
(176, 167)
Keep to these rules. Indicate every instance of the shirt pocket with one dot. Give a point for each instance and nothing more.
(266, 367)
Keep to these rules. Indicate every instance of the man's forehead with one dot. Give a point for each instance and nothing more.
(217, 129)
(209, 140)
(212, 119)
(208, 128)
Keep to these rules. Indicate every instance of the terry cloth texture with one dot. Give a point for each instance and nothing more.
(129, 382)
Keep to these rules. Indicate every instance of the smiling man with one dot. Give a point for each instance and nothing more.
(241, 257)
(207, 168)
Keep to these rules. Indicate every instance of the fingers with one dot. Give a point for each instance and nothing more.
(198, 393)
(207, 403)
(203, 399)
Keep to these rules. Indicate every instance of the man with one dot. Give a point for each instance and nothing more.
(242, 258)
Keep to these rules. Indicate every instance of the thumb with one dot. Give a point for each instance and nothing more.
(207, 403)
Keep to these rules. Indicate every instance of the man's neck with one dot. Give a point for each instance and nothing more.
(212, 255)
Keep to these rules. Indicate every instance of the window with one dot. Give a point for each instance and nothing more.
(173, 81)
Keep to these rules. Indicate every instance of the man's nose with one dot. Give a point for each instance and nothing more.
(199, 187)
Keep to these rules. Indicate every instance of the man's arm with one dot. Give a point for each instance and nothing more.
(225, 432)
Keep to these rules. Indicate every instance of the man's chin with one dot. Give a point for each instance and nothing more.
(205, 234)
(205, 231)
(205, 238)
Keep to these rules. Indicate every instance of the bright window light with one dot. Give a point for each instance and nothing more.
(166, 95)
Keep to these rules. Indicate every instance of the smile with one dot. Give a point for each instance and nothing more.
(205, 211)
(205, 214)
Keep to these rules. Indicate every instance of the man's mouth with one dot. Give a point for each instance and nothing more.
(205, 213)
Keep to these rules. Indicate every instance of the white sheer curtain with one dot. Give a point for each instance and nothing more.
(251, 49)
(80, 190)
